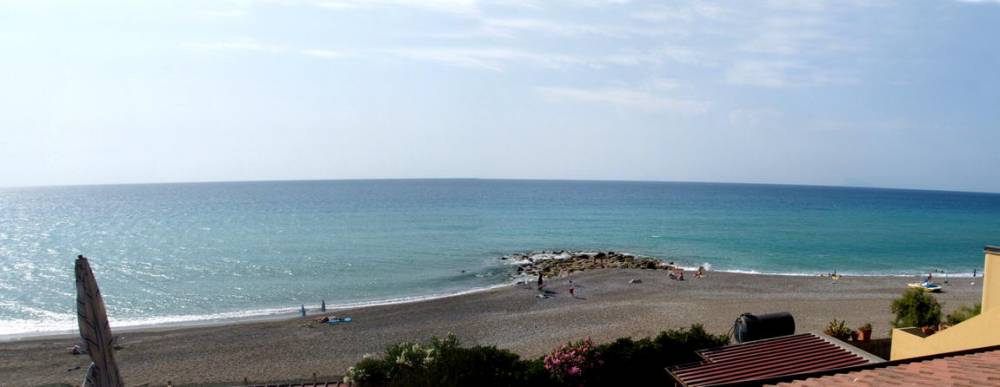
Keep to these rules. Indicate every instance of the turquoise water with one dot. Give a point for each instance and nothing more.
(187, 252)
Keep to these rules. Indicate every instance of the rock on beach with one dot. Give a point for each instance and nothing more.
(562, 263)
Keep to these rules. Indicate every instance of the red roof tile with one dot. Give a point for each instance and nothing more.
(319, 384)
(766, 358)
(976, 369)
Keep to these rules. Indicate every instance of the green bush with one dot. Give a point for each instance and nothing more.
(916, 308)
(369, 371)
(643, 362)
(482, 366)
(963, 313)
(443, 362)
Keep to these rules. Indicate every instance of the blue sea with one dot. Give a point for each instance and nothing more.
(175, 253)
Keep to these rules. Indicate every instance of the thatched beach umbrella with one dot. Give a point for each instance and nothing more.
(94, 329)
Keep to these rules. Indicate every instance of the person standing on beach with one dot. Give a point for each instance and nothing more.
(572, 289)
(541, 283)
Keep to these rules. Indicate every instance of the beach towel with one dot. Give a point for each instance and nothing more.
(339, 320)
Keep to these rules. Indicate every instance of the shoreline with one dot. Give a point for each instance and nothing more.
(606, 306)
(245, 317)
(291, 313)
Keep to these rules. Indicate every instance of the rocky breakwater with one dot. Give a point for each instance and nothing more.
(560, 263)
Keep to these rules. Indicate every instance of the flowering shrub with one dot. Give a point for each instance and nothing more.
(411, 355)
(570, 363)
(623, 362)
(400, 359)
(368, 371)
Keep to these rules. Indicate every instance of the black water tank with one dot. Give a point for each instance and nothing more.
(749, 327)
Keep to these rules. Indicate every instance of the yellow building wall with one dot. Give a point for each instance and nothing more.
(991, 280)
(977, 332)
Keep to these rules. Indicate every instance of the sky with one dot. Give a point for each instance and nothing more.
(851, 92)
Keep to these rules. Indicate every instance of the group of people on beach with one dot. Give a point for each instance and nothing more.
(674, 274)
(678, 273)
(541, 287)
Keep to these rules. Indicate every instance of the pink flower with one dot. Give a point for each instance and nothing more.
(569, 361)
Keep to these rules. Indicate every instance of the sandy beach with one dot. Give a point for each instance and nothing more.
(607, 306)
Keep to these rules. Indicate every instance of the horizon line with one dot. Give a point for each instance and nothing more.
(492, 179)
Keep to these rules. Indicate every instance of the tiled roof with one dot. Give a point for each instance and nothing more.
(319, 384)
(761, 359)
(976, 369)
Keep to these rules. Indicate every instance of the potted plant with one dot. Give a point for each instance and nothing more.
(865, 332)
(838, 329)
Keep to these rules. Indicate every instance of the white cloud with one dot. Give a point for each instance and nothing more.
(781, 73)
(234, 45)
(455, 7)
(516, 27)
(532, 5)
(249, 45)
(755, 118)
(508, 27)
(798, 35)
(679, 54)
(895, 124)
(221, 13)
(326, 54)
(498, 59)
(760, 73)
(653, 56)
(336, 4)
(680, 13)
(494, 59)
(664, 15)
(773, 44)
(784, 35)
(624, 98)
(798, 5)
(665, 83)
(503, 27)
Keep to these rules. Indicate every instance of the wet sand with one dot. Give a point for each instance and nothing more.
(606, 307)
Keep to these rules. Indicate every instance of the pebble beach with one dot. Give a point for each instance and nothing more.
(607, 305)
